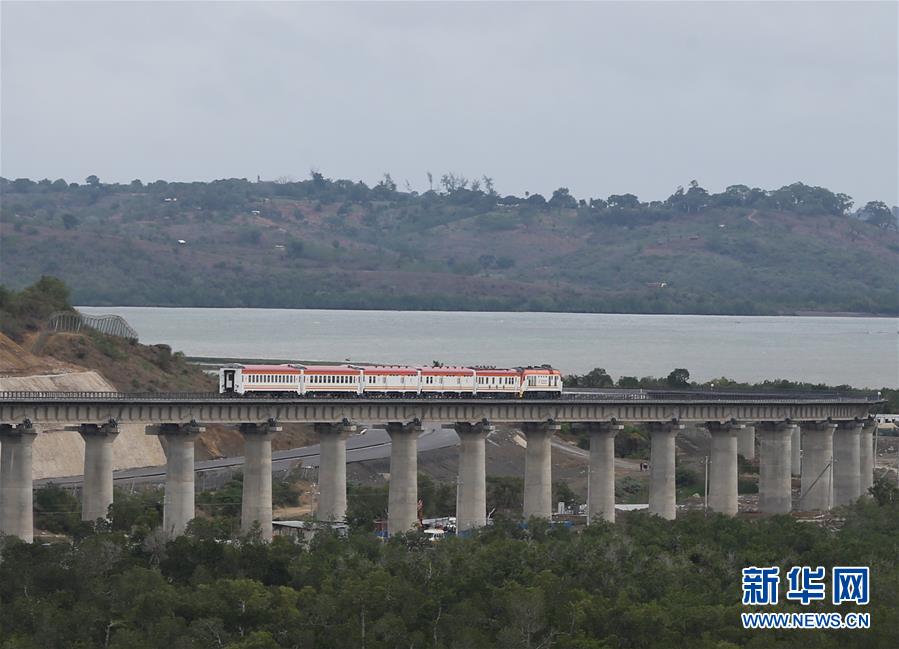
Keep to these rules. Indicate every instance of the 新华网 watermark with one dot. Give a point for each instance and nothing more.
(848, 585)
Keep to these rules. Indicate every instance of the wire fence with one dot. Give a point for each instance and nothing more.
(75, 321)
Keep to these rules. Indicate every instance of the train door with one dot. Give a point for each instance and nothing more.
(228, 383)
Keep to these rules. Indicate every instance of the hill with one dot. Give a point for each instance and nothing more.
(339, 244)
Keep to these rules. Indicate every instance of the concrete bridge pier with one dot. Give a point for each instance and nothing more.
(723, 469)
(662, 492)
(746, 442)
(178, 444)
(402, 498)
(817, 466)
(256, 501)
(795, 451)
(332, 470)
(97, 492)
(601, 475)
(538, 490)
(866, 457)
(775, 488)
(846, 462)
(471, 491)
(16, 513)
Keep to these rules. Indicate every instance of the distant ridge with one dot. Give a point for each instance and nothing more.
(338, 244)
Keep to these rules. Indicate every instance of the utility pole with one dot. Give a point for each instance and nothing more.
(705, 505)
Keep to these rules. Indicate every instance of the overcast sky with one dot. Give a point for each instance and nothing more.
(599, 97)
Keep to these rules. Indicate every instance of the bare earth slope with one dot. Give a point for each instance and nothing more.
(98, 363)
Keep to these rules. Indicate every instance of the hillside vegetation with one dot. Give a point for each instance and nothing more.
(26, 346)
(341, 244)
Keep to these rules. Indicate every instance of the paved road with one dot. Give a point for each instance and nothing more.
(373, 444)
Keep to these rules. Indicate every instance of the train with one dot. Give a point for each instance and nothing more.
(398, 381)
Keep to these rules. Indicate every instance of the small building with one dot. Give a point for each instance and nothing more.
(305, 530)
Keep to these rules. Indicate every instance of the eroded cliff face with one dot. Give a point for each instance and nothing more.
(59, 453)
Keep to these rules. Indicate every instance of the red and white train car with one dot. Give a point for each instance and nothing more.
(447, 381)
(391, 381)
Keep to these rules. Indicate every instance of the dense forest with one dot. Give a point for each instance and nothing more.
(642, 582)
(460, 245)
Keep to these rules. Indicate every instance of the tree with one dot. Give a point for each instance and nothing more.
(69, 221)
(318, 179)
(622, 201)
(696, 197)
(23, 185)
(597, 378)
(387, 184)
(562, 199)
(679, 378)
(883, 491)
(877, 213)
(92, 180)
(453, 183)
(295, 247)
(486, 261)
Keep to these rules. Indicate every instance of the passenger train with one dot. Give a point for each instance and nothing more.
(398, 381)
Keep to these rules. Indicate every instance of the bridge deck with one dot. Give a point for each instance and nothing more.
(580, 396)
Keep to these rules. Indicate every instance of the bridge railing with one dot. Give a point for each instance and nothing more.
(607, 395)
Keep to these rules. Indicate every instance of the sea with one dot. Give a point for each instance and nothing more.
(858, 351)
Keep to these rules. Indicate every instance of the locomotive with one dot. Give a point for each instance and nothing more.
(398, 381)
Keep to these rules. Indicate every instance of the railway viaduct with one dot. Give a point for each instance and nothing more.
(836, 435)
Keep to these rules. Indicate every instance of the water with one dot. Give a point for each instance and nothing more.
(862, 352)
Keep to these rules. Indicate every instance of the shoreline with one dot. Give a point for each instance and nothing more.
(796, 314)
